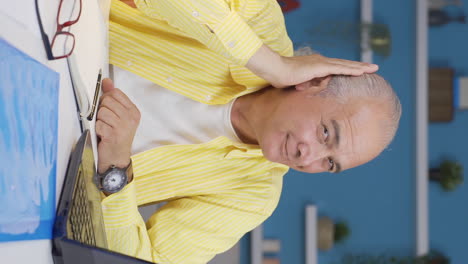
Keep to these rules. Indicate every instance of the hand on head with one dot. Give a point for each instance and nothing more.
(116, 124)
(282, 72)
(304, 69)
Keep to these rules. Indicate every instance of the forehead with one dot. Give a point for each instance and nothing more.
(316, 104)
(360, 134)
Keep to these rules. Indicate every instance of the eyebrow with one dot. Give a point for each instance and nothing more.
(336, 129)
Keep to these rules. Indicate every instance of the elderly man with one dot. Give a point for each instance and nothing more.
(221, 189)
(216, 143)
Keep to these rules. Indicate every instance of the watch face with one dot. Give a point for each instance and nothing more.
(114, 181)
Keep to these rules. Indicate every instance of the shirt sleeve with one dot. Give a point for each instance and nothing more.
(212, 22)
(195, 229)
(186, 230)
(125, 229)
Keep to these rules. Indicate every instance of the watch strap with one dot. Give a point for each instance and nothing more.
(129, 171)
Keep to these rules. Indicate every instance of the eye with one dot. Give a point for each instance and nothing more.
(331, 164)
(325, 133)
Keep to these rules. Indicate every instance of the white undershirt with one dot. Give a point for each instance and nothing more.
(170, 118)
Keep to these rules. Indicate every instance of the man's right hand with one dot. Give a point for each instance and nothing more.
(116, 125)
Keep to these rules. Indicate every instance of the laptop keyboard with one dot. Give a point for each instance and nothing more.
(80, 215)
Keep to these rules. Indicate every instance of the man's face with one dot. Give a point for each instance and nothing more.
(314, 134)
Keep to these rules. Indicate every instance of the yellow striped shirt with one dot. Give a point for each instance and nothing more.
(196, 48)
(216, 191)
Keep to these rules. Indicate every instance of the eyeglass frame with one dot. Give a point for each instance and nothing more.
(59, 31)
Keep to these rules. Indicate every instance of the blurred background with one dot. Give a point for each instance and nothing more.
(367, 214)
(377, 202)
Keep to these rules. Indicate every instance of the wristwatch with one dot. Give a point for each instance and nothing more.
(114, 179)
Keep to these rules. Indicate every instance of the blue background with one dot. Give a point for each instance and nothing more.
(377, 200)
(28, 146)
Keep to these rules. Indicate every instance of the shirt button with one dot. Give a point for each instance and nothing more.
(231, 44)
(195, 14)
(129, 63)
(208, 97)
(169, 79)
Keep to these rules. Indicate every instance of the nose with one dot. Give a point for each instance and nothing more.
(309, 154)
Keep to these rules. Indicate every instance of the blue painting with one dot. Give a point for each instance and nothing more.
(28, 145)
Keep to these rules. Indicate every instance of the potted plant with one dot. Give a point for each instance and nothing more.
(342, 232)
(449, 175)
(332, 33)
(380, 39)
(330, 233)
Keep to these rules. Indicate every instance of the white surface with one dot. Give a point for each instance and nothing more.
(256, 240)
(90, 55)
(30, 42)
(20, 28)
(422, 210)
(366, 17)
(311, 234)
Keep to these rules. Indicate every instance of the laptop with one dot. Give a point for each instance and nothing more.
(79, 234)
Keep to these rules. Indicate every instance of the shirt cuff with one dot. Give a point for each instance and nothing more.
(238, 38)
(121, 209)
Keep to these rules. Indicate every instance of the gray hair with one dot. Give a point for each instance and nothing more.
(345, 88)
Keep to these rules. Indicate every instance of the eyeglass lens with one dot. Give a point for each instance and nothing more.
(63, 42)
(69, 12)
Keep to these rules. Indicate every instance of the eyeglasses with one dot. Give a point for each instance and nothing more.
(63, 42)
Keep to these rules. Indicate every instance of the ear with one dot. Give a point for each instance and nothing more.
(315, 85)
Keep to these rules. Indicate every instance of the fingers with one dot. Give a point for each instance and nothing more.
(348, 67)
(344, 69)
(301, 69)
(112, 104)
(119, 96)
(115, 108)
(113, 113)
(108, 117)
(108, 88)
(116, 125)
(103, 130)
(324, 66)
(107, 85)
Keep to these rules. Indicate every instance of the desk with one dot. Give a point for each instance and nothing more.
(20, 28)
